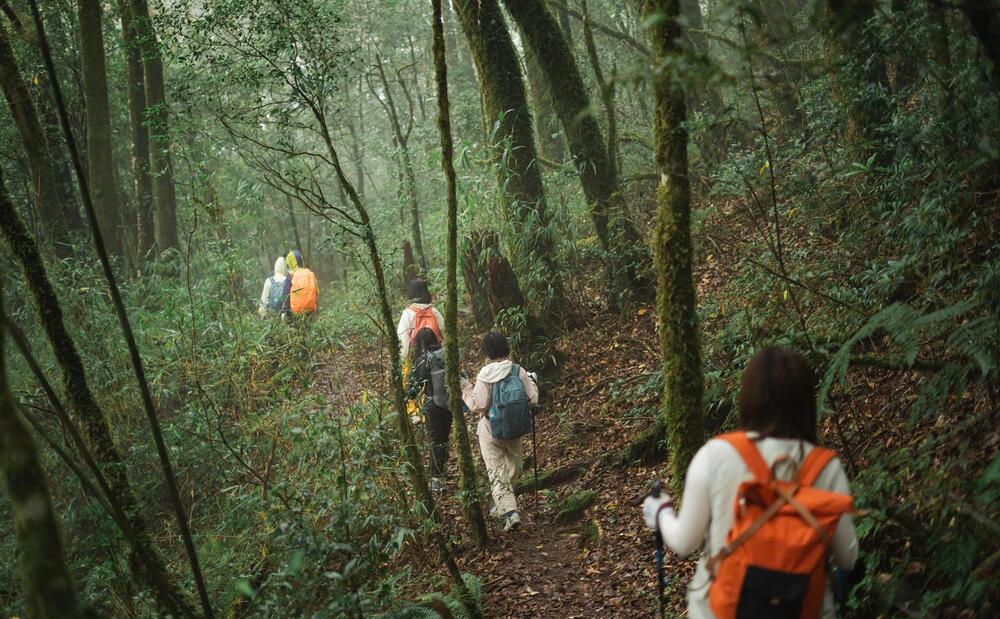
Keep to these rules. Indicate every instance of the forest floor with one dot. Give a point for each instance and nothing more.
(602, 559)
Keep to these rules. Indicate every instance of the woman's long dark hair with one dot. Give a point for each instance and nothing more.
(424, 342)
(778, 395)
(418, 291)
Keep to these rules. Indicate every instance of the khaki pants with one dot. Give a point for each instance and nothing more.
(503, 465)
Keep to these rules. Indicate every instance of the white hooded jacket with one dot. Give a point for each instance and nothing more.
(278, 279)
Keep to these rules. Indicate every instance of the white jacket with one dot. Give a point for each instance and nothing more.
(706, 517)
(280, 273)
(404, 331)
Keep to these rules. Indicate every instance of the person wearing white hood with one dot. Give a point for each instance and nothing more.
(272, 297)
(502, 456)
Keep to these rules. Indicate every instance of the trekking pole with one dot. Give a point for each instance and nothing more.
(534, 455)
(658, 542)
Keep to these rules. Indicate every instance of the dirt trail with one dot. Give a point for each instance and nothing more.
(601, 564)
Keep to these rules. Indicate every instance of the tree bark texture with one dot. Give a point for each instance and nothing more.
(859, 75)
(546, 122)
(466, 465)
(508, 117)
(683, 383)
(158, 121)
(619, 238)
(48, 589)
(49, 208)
(150, 567)
(100, 160)
(475, 285)
(142, 181)
(984, 19)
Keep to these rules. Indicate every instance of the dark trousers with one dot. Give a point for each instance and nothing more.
(438, 431)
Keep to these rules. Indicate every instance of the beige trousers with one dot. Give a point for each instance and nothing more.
(503, 465)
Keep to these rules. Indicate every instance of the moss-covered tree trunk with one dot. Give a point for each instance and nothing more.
(508, 118)
(48, 589)
(984, 19)
(470, 485)
(860, 78)
(149, 566)
(626, 262)
(100, 159)
(142, 181)
(550, 144)
(158, 120)
(683, 382)
(54, 216)
(473, 276)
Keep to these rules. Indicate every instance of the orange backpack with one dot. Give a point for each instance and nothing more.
(424, 318)
(304, 295)
(774, 563)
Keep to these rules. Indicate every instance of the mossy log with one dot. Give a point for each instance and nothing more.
(572, 507)
(550, 478)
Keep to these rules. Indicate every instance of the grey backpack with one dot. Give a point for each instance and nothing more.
(435, 365)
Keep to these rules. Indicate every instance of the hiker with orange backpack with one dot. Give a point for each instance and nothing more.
(301, 290)
(771, 507)
(420, 313)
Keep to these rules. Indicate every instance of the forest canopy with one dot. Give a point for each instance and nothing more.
(639, 195)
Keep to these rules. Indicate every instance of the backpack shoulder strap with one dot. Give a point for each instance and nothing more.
(814, 464)
(515, 371)
(748, 451)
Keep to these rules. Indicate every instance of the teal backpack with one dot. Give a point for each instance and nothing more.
(510, 413)
(276, 295)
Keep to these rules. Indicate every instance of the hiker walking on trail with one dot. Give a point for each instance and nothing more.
(420, 313)
(768, 504)
(501, 395)
(272, 297)
(301, 290)
(427, 379)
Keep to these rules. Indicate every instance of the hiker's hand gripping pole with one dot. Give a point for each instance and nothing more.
(651, 507)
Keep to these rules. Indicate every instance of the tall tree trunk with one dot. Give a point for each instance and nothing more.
(546, 122)
(470, 485)
(505, 109)
(621, 241)
(475, 287)
(683, 382)
(859, 72)
(984, 19)
(45, 195)
(48, 589)
(149, 566)
(401, 138)
(158, 120)
(100, 160)
(142, 182)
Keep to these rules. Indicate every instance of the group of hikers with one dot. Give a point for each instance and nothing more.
(501, 397)
(770, 509)
(291, 291)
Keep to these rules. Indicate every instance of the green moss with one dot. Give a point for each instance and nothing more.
(572, 507)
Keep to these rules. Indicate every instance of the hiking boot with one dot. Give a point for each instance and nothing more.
(436, 484)
(511, 521)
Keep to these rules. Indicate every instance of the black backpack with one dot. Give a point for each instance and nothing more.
(435, 365)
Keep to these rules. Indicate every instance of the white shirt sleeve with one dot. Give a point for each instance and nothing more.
(530, 388)
(403, 332)
(844, 545)
(262, 308)
(440, 322)
(685, 532)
